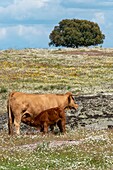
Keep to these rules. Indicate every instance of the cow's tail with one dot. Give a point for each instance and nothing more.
(10, 117)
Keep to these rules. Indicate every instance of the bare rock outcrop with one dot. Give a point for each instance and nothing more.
(95, 111)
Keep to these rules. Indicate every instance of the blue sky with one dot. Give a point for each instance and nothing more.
(28, 23)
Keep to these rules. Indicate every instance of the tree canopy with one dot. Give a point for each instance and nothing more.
(76, 33)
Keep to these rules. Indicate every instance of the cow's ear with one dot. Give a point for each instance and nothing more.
(69, 99)
(69, 95)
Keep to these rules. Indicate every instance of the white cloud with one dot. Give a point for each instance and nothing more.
(30, 4)
(23, 31)
(81, 1)
(5, 3)
(3, 33)
(108, 3)
(14, 12)
(30, 31)
(23, 36)
(23, 9)
(99, 18)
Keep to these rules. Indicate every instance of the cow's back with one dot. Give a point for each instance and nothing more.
(34, 103)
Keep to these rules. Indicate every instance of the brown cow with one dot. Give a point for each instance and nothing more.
(47, 118)
(21, 103)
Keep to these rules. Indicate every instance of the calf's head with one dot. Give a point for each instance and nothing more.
(26, 118)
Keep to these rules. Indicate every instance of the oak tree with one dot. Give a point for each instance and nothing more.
(76, 33)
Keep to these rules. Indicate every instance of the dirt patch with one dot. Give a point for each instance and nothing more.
(89, 53)
(59, 143)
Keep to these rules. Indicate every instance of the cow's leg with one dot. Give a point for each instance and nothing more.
(10, 126)
(17, 122)
(41, 128)
(10, 119)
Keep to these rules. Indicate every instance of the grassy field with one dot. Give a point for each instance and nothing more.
(56, 71)
(92, 150)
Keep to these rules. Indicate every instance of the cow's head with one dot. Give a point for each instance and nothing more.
(71, 101)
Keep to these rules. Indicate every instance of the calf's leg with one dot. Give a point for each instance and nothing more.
(45, 130)
(61, 125)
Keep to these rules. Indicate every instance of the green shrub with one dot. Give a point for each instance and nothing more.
(3, 89)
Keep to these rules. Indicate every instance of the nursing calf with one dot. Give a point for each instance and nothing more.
(47, 118)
